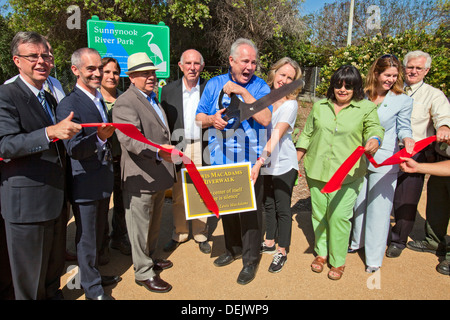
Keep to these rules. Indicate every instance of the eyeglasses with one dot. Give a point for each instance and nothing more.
(418, 69)
(35, 57)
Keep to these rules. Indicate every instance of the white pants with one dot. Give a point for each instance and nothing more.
(372, 213)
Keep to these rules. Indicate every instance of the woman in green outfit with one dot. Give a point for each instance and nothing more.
(335, 127)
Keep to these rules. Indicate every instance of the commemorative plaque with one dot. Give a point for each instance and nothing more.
(230, 186)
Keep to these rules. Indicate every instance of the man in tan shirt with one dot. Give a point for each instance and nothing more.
(430, 116)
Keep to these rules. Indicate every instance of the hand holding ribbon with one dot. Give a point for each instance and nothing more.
(133, 132)
(336, 180)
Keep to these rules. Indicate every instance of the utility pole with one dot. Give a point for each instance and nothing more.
(350, 23)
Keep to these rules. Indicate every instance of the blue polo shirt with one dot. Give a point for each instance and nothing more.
(246, 143)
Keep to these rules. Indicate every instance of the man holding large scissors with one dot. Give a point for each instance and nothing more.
(242, 231)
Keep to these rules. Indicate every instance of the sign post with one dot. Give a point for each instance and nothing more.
(121, 39)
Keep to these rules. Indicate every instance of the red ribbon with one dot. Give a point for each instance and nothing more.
(336, 180)
(133, 132)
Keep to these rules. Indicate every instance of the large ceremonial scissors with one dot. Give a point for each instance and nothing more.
(240, 111)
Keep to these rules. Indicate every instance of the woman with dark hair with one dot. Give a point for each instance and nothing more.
(278, 164)
(384, 87)
(335, 127)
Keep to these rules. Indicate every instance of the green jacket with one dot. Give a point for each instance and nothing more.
(329, 139)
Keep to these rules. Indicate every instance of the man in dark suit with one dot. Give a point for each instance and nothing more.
(146, 171)
(33, 172)
(180, 100)
(92, 170)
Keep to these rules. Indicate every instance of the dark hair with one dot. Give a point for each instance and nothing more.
(107, 60)
(26, 37)
(351, 76)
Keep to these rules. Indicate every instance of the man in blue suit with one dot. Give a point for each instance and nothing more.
(92, 169)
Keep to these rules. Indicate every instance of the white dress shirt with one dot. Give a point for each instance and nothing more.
(191, 99)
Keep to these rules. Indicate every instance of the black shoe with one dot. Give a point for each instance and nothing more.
(443, 267)
(224, 260)
(102, 297)
(350, 250)
(122, 245)
(393, 251)
(171, 245)
(266, 249)
(278, 262)
(423, 246)
(110, 280)
(247, 274)
(205, 247)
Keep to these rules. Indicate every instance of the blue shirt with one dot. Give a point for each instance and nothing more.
(248, 141)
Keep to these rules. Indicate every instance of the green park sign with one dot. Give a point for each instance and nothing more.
(121, 39)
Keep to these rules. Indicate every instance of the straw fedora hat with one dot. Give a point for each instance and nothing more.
(140, 62)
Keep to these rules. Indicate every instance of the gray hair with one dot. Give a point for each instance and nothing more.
(417, 54)
(202, 61)
(22, 37)
(240, 42)
(76, 56)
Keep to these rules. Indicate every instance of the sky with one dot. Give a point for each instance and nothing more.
(310, 6)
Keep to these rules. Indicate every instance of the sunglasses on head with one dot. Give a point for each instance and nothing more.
(388, 56)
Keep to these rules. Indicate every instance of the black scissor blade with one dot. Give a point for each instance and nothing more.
(248, 110)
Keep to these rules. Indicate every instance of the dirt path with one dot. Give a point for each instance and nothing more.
(412, 276)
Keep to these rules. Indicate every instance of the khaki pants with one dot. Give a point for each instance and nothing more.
(143, 217)
(181, 226)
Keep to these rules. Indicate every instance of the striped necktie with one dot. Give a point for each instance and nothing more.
(46, 107)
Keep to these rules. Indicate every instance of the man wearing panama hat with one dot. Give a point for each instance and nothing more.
(146, 171)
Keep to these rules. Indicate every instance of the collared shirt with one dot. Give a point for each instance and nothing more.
(247, 142)
(152, 99)
(98, 101)
(330, 139)
(431, 110)
(190, 103)
(36, 93)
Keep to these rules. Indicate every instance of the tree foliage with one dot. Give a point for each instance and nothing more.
(329, 25)
(362, 56)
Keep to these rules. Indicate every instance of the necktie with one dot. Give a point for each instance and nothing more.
(156, 108)
(408, 90)
(46, 107)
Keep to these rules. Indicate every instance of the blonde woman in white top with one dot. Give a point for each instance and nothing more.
(278, 164)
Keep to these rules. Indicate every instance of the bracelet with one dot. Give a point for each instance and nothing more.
(261, 159)
(376, 138)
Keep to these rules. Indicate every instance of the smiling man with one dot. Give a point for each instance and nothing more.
(242, 230)
(146, 171)
(180, 100)
(430, 116)
(33, 177)
(92, 170)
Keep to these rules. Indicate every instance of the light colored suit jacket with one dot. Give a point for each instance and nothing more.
(395, 117)
(142, 172)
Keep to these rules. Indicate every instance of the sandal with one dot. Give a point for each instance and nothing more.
(317, 264)
(337, 271)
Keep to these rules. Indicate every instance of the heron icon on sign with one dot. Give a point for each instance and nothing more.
(154, 48)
